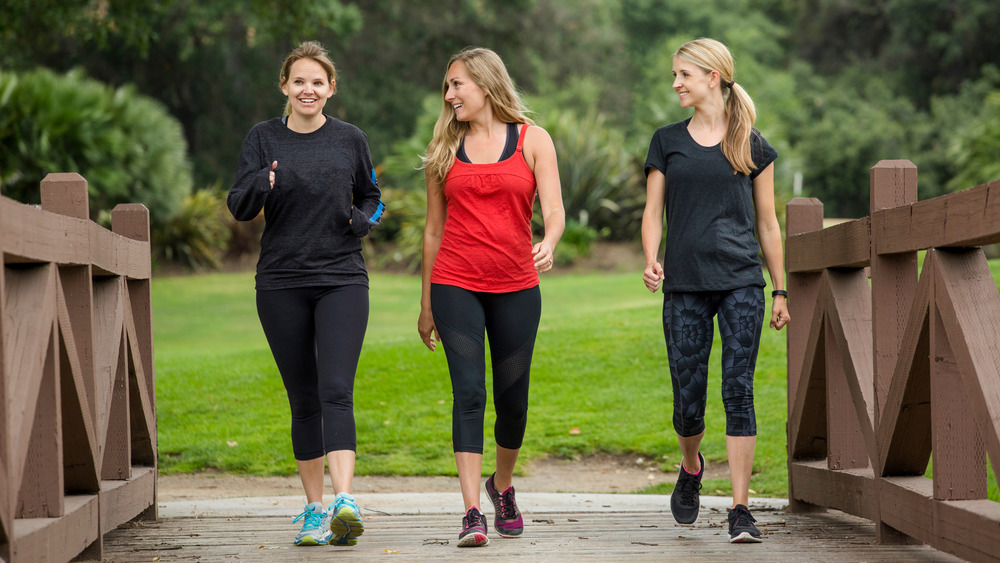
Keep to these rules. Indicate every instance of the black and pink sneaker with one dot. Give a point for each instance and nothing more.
(508, 522)
(473, 529)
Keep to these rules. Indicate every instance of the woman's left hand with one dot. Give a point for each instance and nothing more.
(779, 313)
(544, 257)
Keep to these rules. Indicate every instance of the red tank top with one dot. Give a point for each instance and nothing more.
(486, 244)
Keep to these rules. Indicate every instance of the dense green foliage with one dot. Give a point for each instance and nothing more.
(126, 145)
(839, 84)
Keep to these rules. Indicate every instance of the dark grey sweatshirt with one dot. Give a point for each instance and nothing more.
(325, 199)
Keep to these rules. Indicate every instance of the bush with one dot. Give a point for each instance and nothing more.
(601, 183)
(197, 235)
(126, 145)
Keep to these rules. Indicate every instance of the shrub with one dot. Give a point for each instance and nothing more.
(197, 235)
(126, 145)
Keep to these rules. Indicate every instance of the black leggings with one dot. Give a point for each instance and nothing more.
(315, 334)
(687, 326)
(511, 320)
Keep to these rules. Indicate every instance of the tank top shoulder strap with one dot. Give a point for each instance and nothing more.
(520, 138)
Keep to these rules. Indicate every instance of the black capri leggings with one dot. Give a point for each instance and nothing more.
(687, 326)
(511, 321)
(315, 334)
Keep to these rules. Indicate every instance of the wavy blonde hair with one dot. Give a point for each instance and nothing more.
(709, 55)
(489, 73)
(307, 50)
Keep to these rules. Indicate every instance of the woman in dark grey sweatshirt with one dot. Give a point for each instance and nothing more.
(313, 178)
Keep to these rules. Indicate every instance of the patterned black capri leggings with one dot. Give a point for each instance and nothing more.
(687, 327)
(511, 321)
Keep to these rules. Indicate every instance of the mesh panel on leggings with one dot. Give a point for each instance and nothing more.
(511, 369)
(467, 346)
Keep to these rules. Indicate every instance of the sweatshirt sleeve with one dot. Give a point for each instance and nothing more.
(248, 193)
(368, 207)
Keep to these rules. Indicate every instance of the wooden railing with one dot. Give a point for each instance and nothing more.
(882, 375)
(78, 425)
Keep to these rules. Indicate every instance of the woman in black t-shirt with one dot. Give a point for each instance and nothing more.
(713, 176)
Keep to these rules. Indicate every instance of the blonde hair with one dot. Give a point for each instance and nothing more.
(307, 50)
(709, 55)
(487, 70)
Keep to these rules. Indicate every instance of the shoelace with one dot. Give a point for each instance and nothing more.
(507, 509)
(688, 488)
(313, 519)
(742, 515)
(470, 520)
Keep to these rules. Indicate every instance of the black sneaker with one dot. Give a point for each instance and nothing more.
(686, 498)
(741, 528)
(508, 522)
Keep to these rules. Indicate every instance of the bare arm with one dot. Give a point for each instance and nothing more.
(652, 228)
(769, 235)
(540, 154)
(437, 211)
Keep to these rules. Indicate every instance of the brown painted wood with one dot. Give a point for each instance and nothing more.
(845, 245)
(967, 218)
(849, 326)
(808, 429)
(29, 234)
(848, 490)
(6, 484)
(969, 308)
(959, 449)
(612, 536)
(65, 194)
(846, 440)
(904, 434)
(73, 356)
(117, 445)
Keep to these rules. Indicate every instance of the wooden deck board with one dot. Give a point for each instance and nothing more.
(830, 536)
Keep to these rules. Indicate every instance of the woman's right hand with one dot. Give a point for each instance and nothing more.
(270, 174)
(427, 329)
(652, 276)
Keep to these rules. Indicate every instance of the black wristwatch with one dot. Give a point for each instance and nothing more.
(780, 292)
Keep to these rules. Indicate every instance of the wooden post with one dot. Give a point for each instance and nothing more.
(894, 276)
(67, 194)
(802, 215)
(132, 221)
(894, 283)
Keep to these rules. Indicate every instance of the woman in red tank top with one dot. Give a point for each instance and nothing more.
(484, 167)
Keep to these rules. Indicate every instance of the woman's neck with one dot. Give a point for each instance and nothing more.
(302, 124)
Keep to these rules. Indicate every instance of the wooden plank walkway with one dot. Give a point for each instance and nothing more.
(648, 536)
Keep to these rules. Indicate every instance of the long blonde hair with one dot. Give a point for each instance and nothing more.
(307, 50)
(709, 55)
(489, 73)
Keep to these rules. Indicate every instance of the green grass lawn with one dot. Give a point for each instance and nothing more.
(600, 367)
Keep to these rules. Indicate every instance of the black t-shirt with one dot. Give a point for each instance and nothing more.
(711, 242)
(312, 237)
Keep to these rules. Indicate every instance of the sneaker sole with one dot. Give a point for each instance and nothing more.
(341, 542)
(508, 534)
(745, 537)
(687, 520)
(474, 540)
(346, 524)
(309, 542)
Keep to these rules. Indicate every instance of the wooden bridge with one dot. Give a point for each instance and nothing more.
(881, 375)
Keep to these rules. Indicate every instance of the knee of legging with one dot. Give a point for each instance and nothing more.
(687, 427)
(513, 413)
(304, 406)
(470, 399)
